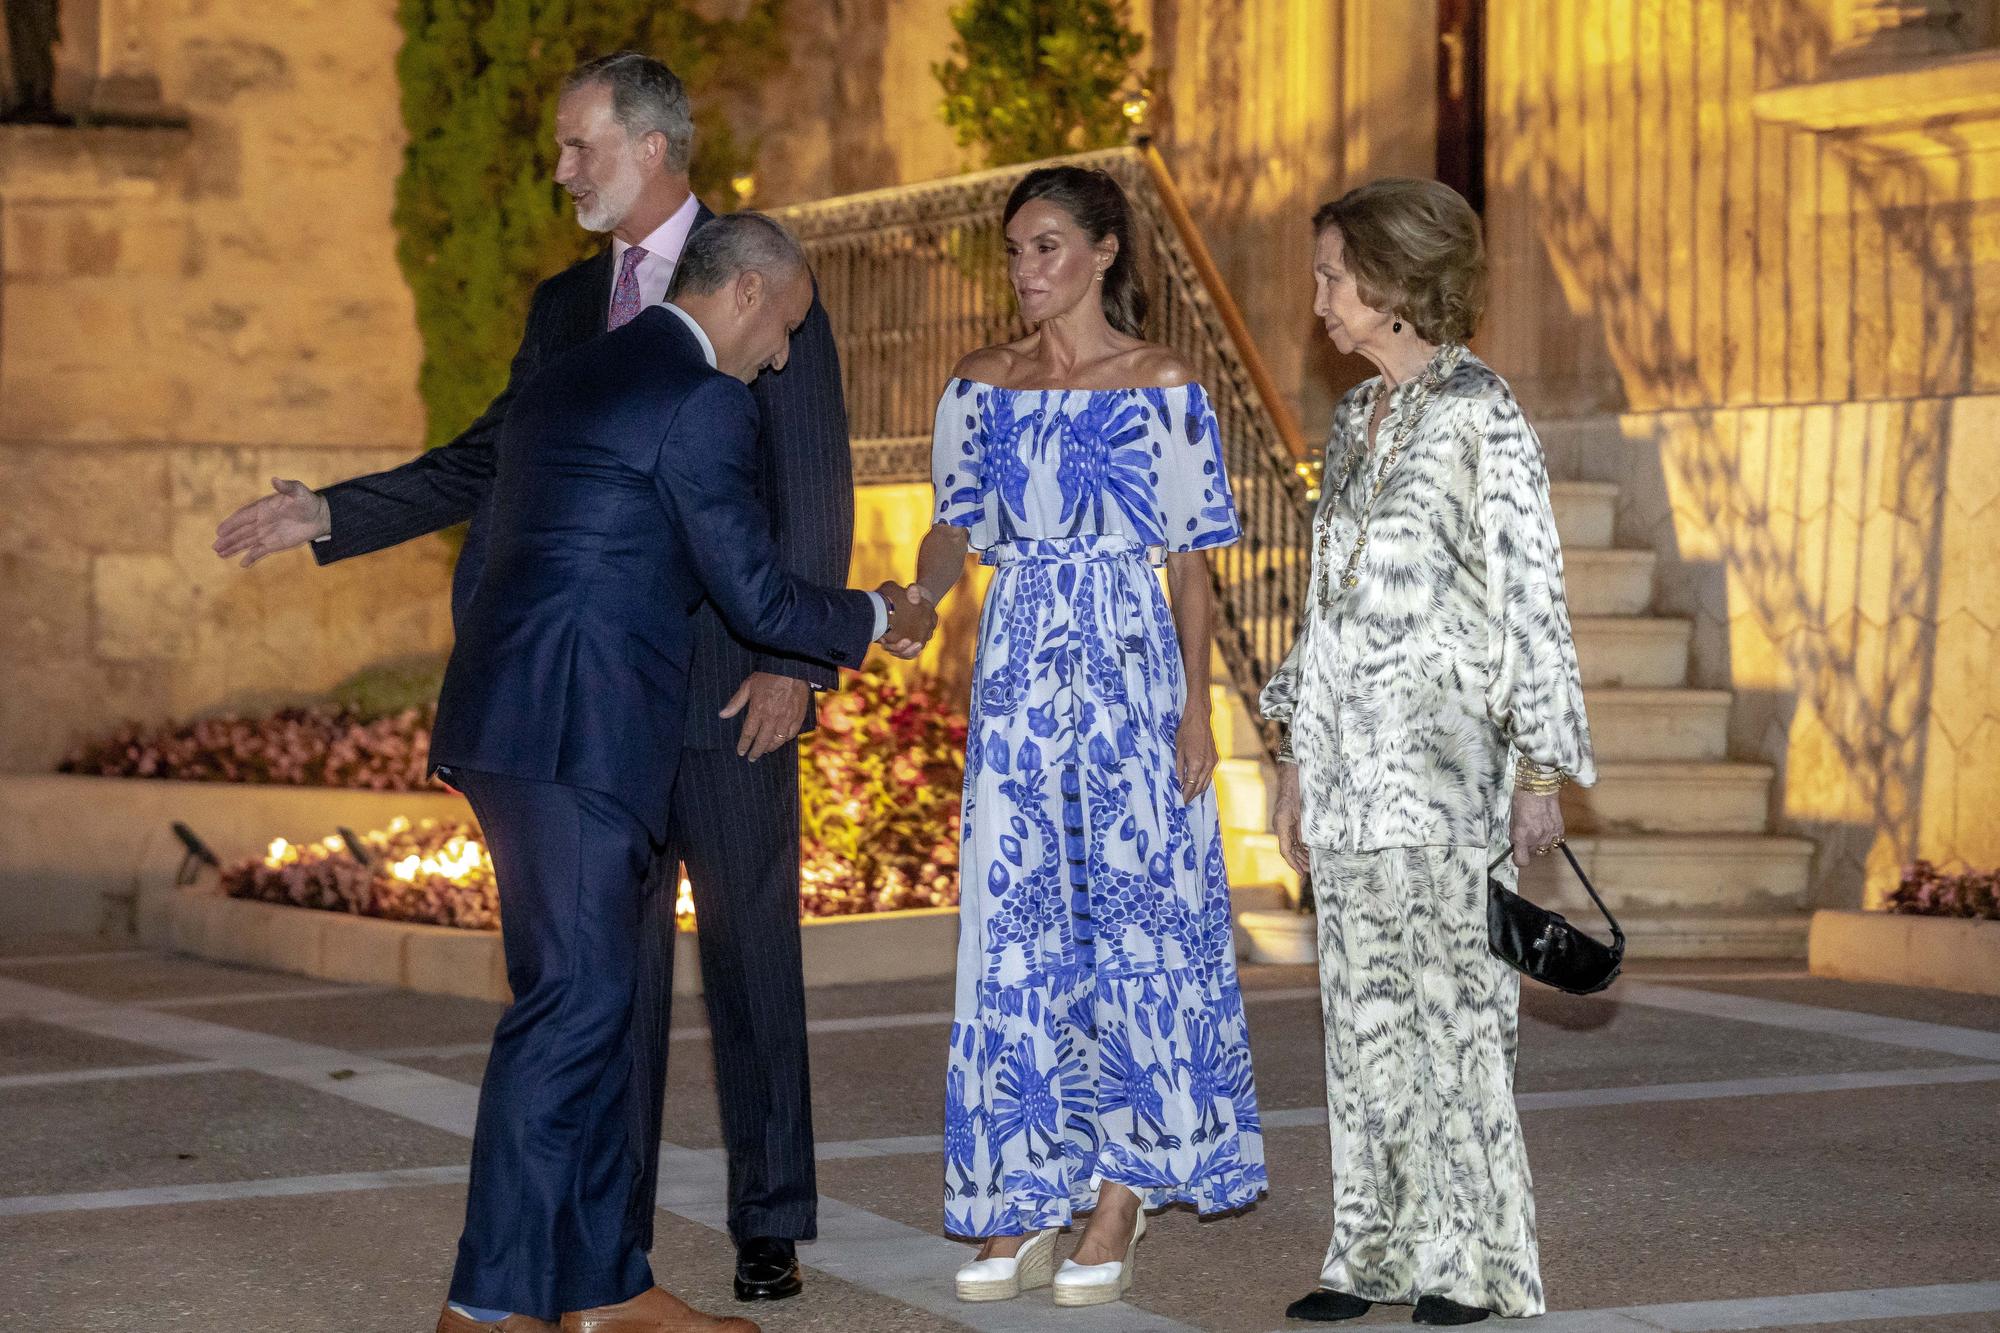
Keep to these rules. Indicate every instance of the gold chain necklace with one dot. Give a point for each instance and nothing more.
(1428, 385)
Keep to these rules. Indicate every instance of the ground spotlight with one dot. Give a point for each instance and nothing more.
(198, 855)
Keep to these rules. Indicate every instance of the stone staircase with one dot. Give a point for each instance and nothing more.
(1676, 835)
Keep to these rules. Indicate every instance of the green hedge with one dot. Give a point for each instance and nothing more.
(479, 219)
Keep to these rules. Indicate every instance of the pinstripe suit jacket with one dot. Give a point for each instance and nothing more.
(808, 477)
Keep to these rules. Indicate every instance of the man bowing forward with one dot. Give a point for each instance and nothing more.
(625, 138)
(626, 494)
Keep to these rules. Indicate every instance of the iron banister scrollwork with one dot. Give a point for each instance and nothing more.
(914, 277)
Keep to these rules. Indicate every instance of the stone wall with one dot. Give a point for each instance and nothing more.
(189, 307)
(1781, 268)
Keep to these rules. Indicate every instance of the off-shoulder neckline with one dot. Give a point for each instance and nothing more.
(1074, 388)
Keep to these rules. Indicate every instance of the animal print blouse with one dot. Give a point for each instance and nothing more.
(1409, 694)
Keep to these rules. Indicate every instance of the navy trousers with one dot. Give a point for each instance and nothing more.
(555, 1215)
(736, 826)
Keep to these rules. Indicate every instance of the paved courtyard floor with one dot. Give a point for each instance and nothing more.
(185, 1146)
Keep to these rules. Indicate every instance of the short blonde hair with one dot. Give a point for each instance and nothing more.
(1414, 249)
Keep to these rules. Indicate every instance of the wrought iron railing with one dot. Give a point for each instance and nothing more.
(914, 277)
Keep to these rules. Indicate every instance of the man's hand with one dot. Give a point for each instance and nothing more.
(776, 711)
(1286, 820)
(1536, 826)
(295, 515)
(912, 620)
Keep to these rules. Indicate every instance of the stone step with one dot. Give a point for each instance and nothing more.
(1243, 795)
(1258, 898)
(1628, 723)
(1585, 512)
(1569, 443)
(1644, 651)
(1663, 797)
(1608, 581)
(1736, 935)
(1656, 874)
(1252, 858)
(1599, 581)
(1237, 735)
(1630, 797)
(1633, 650)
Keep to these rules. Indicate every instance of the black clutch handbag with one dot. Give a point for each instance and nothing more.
(1543, 946)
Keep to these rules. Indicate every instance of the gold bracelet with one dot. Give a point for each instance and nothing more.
(1538, 781)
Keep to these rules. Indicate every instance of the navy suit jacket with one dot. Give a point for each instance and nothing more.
(806, 478)
(625, 494)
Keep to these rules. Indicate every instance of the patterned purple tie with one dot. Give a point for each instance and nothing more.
(625, 296)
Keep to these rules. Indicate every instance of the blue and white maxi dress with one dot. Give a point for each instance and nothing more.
(1099, 1032)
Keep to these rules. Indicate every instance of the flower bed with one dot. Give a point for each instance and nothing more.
(436, 872)
(324, 745)
(1927, 892)
(879, 787)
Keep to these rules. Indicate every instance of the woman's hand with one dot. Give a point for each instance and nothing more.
(1536, 826)
(1194, 753)
(1287, 820)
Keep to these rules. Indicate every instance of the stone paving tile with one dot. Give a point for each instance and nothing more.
(370, 1262)
(1761, 1196)
(1569, 1043)
(1954, 1323)
(366, 1020)
(888, 997)
(1573, 1042)
(1229, 1273)
(336, 1263)
(697, 1264)
(179, 1129)
(37, 946)
(1638, 1205)
(161, 977)
(877, 1085)
(29, 1047)
(1911, 1002)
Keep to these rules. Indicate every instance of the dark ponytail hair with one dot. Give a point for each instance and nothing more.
(1097, 205)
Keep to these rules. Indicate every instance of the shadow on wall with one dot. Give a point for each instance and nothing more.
(1808, 527)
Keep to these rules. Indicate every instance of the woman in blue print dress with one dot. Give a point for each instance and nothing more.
(1099, 1060)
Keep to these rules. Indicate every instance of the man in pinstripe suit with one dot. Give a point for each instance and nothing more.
(625, 140)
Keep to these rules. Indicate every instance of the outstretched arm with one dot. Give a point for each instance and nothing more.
(432, 491)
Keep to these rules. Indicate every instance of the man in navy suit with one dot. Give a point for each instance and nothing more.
(626, 494)
(625, 136)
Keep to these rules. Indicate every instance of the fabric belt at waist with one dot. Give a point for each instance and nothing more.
(1069, 550)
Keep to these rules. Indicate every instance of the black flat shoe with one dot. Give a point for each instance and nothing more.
(767, 1269)
(1326, 1306)
(1440, 1310)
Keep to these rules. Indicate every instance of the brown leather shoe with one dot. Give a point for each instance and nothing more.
(451, 1321)
(655, 1311)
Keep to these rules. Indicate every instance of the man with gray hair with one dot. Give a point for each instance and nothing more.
(626, 494)
(625, 139)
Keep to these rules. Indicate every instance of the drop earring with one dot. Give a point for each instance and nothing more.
(1397, 327)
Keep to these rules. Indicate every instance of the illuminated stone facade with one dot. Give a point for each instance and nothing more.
(195, 301)
(1745, 268)
(1764, 240)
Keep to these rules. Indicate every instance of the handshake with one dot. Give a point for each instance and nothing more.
(912, 619)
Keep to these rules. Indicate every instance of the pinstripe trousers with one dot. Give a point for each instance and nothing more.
(736, 826)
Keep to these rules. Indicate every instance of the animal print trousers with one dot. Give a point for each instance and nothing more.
(1430, 1176)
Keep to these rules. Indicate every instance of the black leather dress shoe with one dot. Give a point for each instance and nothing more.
(1442, 1310)
(767, 1269)
(1324, 1305)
